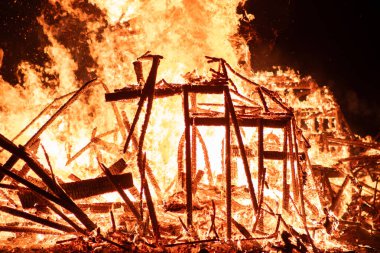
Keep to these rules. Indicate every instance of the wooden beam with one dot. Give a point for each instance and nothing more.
(189, 197)
(227, 164)
(81, 189)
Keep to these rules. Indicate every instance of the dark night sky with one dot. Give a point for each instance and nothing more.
(334, 41)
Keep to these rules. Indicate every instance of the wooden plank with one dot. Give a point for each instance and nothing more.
(205, 89)
(137, 66)
(277, 155)
(273, 122)
(133, 93)
(82, 189)
(274, 155)
(227, 164)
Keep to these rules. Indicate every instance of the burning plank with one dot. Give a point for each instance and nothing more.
(82, 189)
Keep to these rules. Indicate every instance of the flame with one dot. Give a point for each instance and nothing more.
(184, 31)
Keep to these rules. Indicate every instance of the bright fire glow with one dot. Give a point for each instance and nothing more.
(183, 31)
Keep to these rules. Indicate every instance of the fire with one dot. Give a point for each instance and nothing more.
(285, 150)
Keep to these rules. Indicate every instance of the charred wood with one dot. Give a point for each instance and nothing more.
(188, 184)
(74, 178)
(251, 121)
(196, 181)
(118, 167)
(241, 229)
(228, 167)
(134, 92)
(82, 189)
(137, 66)
(119, 189)
(36, 219)
(25, 168)
(146, 93)
(41, 231)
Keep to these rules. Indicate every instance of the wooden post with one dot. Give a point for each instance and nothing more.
(285, 186)
(189, 197)
(193, 102)
(227, 160)
(260, 152)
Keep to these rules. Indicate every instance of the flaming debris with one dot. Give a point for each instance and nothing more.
(211, 159)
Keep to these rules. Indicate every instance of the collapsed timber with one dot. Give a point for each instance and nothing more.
(280, 179)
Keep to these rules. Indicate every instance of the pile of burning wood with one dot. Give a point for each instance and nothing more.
(268, 193)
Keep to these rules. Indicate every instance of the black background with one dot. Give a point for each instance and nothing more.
(334, 41)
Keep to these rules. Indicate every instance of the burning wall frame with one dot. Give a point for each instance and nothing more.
(260, 119)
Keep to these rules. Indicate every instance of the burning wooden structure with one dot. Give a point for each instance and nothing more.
(266, 182)
(272, 114)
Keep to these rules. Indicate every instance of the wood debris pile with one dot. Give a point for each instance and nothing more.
(285, 201)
